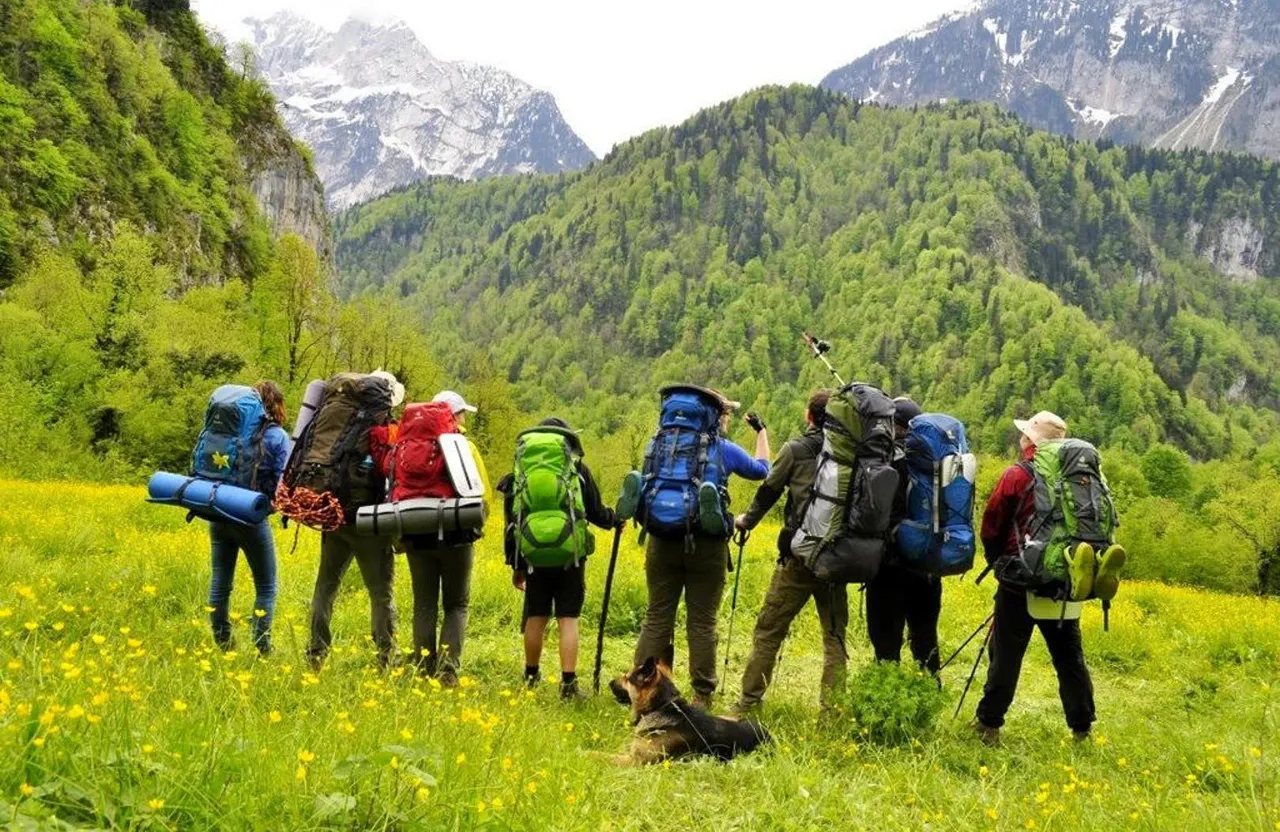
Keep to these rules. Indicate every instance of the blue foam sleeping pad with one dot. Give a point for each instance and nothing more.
(207, 499)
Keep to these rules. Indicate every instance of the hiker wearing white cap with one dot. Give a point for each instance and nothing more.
(440, 569)
(1009, 513)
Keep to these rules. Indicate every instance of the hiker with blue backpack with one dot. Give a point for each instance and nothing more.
(1048, 536)
(932, 523)
(243, 444)
(682, 507)
(548, 500)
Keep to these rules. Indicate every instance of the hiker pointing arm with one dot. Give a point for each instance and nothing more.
(773, 487)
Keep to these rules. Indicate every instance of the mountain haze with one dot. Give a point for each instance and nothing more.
(1167, 73)
(951, 253)
(379, 110)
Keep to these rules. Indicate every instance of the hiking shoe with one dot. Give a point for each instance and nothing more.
(989, 736)
(711, 509)
(629, 499)
(1106, 583)
(533, 681)
(448, 678)
(1082, 564)
(741, 709)
(570, 692)
(1081, 736)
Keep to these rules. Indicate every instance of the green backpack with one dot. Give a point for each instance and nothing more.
(550, 520)
(1072, 505)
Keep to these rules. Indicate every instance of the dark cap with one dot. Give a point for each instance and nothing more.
(904, 410)
(554, 422)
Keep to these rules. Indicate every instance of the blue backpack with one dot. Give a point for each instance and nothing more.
(230, 446)
(683, 454)
(936, 535)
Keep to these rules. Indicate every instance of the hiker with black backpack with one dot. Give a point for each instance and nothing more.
(793, 473)
(548, 500)
(244, 444)
(683, 509)
(1044, 571)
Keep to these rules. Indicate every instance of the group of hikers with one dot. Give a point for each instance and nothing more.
(877, 493)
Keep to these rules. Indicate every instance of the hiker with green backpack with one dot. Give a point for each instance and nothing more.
(1048, 535)
(548, 500)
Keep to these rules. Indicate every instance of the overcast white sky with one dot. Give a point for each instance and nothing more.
(618, 69)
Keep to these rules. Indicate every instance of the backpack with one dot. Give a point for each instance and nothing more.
(230, 445)
(550, 522)
(330, 474)
(936, 535)
(1072, 505)
(418, 466)
(683, 454)
(842, 536)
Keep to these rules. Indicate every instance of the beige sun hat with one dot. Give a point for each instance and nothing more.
(727, 404)
(397, 389)
(1042, 427)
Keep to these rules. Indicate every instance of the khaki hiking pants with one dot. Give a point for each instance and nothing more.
(789, 591)
(699, 575)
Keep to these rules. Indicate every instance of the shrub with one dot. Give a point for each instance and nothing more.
(889, 704)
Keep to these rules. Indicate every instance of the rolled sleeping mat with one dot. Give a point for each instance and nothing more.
(422, 515)
(209, 500)
(311, 401)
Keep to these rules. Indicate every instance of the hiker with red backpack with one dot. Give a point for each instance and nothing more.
(426, 456)
(548, 500)
(682, 502)
(1046, 571)
(243, 444)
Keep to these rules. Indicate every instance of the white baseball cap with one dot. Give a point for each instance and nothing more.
(455, 401)
(397, 389)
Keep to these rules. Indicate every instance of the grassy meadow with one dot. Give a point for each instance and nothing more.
(116, 710)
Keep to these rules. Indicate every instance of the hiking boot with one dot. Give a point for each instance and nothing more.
(1081, 736)
(570, 692)
(1082, 565)
(1106, 583)
(711, 509)
(531, 681)
(448, 678)
(703, 701)
(629, 499)
(989, 736)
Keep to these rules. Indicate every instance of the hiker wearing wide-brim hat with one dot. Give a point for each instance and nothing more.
(1010, 510)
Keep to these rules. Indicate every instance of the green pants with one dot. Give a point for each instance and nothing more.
(699, 575)
(791, 588)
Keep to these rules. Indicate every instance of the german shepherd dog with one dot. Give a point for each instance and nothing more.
(666, 726)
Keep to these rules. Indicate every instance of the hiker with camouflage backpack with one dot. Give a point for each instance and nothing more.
(1046, 570)
(548, 500)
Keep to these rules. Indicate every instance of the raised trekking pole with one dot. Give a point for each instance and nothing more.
(974, 672)
(971, 637)
(604, 608)
(743, 534)
(820, 348)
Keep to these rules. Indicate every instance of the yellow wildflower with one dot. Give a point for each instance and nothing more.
(179, 705)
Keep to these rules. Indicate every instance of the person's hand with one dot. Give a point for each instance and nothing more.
(517, 579)
(757, 424)
(740, 522)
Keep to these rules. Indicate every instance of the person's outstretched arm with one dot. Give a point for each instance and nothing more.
(597, 512)
(773, 487)
(762, 445)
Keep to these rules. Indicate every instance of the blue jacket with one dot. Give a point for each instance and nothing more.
(738, 461)
(276, 445)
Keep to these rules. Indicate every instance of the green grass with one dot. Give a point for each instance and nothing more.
(115, 710)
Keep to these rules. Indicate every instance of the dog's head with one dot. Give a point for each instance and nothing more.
(646, 688)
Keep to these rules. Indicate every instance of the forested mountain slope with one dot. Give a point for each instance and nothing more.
(142, 186)
(950, 252)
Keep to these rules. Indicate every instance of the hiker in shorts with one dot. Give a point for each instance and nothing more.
(553, 591)
(899, 597)
(372, 555)
(695, 566)
(1010, 510)
(792, 585)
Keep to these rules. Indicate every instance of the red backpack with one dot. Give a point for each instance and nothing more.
(418, 466)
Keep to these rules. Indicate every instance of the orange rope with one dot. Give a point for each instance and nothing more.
(309, 508)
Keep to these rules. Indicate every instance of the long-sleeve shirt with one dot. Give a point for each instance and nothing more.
(1010, 511)
(794, 470)
(276, 446)
(738, 461)
(597, 513)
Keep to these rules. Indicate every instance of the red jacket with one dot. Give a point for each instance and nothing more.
(1011, 508)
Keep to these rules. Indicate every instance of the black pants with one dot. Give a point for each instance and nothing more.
(899, 598)
(1013, 626)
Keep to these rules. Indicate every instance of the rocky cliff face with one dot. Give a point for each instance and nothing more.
(380, 111)
(1171, 73)
(291, 197)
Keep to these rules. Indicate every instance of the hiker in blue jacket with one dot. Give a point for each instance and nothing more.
(695, 567)
(227, 539)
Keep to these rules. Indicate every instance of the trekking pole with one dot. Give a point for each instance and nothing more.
(971, 637)
(974, 672)
(820, 348)
(733, 605)
(604, 607)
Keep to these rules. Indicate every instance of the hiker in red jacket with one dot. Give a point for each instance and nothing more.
(1010, 511)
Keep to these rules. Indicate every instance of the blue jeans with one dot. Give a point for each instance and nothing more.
(259, 547)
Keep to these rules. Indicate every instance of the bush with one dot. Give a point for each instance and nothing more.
(889, 704)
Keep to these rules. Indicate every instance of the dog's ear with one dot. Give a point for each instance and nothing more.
(647, 670)
(663, 666)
